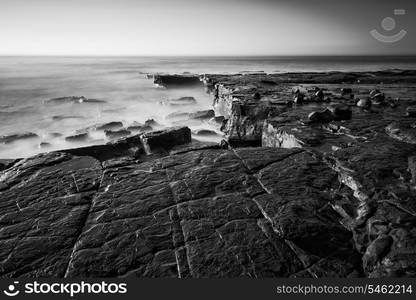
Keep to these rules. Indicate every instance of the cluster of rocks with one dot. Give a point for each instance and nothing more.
(186, 112)
(315, 188)
(114, 130)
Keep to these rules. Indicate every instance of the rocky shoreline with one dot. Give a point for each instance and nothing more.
(316, 177)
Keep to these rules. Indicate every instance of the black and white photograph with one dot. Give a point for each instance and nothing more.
(221, 139)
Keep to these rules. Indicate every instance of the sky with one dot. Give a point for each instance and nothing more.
(196, 27)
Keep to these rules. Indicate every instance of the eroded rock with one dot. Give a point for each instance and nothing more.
(166, 139)
(7, 139)
(77, 137)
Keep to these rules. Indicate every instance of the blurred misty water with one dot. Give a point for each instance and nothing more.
(27, 82)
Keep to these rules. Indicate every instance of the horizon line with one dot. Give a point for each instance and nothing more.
(209, 55)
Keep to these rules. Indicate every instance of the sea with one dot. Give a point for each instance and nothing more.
(129, 95)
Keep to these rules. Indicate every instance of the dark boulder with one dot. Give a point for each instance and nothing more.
(324, 116)
(180, 101)
(172, 81)
(299, 98)
(109, 126)
(377, 97)
(203, 114)
(319, 95)
(204, 132)
(165, 139)
(151, 123)
(63, 117)
(114, 134)
(7, 139)
(77, 137)
(178, 116)
(218, 120)
(134, 128)
(45, 145)
(123, 147)
(364, 103)
(340, 112)
(199, 115)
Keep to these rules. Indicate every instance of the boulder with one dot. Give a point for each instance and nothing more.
(7, 139)
(346, 91)
(177, 81)
(204, 132)
(203, 114)
(299, 98)
(364, 103)
(218, 120)
(199, 115)
(165, 139)
(140, 128)
(320, 95)
(44, 145)
(340, 112)
(109, 126)
(324, 116)
(377, 97)
(63, 117)
(151, 123)
(77, 137)
(180, 101)
(124, 147)
(114, 134)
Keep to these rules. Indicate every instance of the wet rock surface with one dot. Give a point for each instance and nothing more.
(77, 137)
(74, 99)
(175, 81)
(333, 198)
(7, 139)
(180, 101)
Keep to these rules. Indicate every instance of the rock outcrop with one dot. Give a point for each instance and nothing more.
(283, 196)
(175, 81)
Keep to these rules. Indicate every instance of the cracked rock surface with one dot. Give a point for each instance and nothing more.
(282, 197)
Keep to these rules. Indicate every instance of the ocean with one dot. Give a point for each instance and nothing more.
(26, 83)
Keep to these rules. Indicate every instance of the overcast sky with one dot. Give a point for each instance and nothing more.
(195, 27)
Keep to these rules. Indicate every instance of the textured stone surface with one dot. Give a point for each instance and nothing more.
(202, 213)
(333, 199)
(44, 204)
